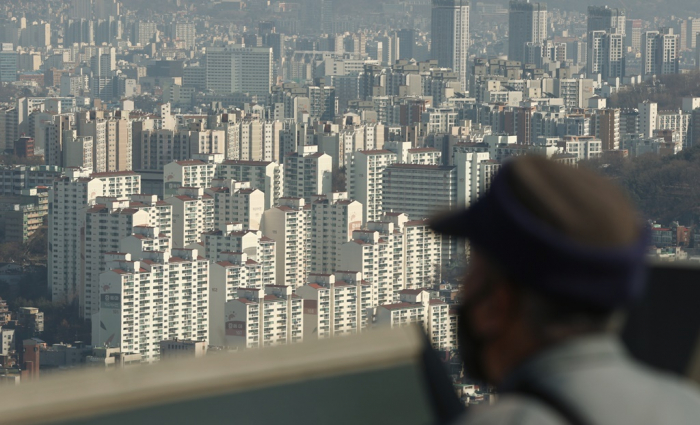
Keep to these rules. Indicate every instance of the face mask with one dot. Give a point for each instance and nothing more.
(470, 345)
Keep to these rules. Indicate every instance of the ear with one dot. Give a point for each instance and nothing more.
(496, 312)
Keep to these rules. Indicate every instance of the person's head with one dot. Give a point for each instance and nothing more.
(555, 252)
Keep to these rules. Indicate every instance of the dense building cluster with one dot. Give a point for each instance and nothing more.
(269, 181)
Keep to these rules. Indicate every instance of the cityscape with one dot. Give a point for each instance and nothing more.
(186, 177)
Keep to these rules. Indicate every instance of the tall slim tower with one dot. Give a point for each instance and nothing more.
(527, 23)
(603, 18)
(450, 35)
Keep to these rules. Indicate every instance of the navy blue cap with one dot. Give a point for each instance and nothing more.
(536, 253)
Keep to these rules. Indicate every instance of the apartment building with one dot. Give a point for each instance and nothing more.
(307, 173)
(416, 307)
(264, 317)
(333, 219)
(236, 202)
(365, 180)
(288, 224)
(72, 194)
(193, 214)
(232, 237)
(333, 306)
(263, 175)
(150, 297)
(187, 173)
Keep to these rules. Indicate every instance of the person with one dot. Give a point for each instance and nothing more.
(556, 254)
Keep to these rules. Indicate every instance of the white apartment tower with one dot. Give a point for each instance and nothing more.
(365, 180)
(422, 251)
(264, 175)
(107, 223)
(193, 214)
(333, 306)
(660, 53)
(373, 255)
(648, 116)
(234, 270)
(71, 196)
(264, 317)
(288, 224)
(236, 202)
(232, 237)
(307, 175)
(333, 219)
(187, 173)
(150, 297)
(416, 307)
(450, 36)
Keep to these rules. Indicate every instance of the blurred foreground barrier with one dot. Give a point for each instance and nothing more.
(663, 329)
(377, 377)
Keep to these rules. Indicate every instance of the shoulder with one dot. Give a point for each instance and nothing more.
(511, 410)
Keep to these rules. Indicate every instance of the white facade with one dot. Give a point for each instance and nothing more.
(287, 223)
(234, 270)
(264, 317)
(335, 305)
(71, 196)
(236, 202)
(239, 70)
(188, 173)
(161, 295)
(263, 175)
(193, 214)
(365, 180)
(416, 307)
(648, 116)
(307, 175)
(332, 222)
(232, 237)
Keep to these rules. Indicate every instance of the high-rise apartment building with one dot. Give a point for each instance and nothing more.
(605, 125)
(193, 214)
(450, 36)
(372, 254)
(335, 304)
(145, 33)
(188, 173)
(527, 23)
(288, 224)
(264, 175)
(107, 223)
(365, 180)
(333, 219)
(606, 54)
(417, 307)
(603, 18)
(240, 70)
(660, 53)
(263, 318)
(236, 202)
(633, 34)
(234, 270)
(72, 194)
(232, 237)
(183, 32)
(421, 191)
(307, 174)
(152, 296)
